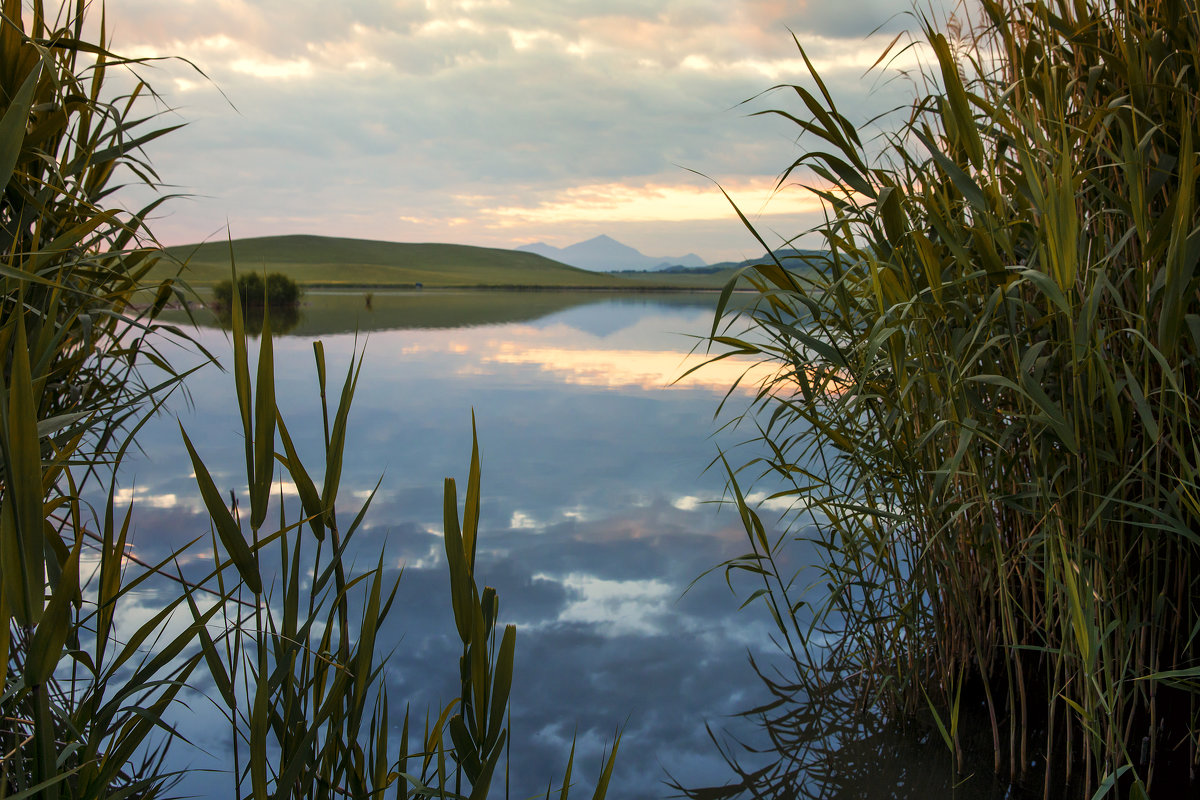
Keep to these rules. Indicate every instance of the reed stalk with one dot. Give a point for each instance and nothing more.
(987, 395)
(90, 699)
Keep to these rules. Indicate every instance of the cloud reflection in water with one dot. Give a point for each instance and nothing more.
(592, 523)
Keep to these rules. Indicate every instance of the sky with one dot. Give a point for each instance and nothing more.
(498, 122)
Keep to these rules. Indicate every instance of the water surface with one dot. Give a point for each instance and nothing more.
(598, 512)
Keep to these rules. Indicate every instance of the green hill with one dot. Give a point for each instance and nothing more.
(314, 261)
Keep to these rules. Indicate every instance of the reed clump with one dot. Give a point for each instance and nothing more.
(987, 399)
(92, 693)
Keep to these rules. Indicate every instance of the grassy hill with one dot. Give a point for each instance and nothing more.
(333, 262)
(337, 262)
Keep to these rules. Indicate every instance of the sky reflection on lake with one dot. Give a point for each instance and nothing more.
(594, 521)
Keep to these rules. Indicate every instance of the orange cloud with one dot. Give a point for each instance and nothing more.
(656, 202)
(645, 369)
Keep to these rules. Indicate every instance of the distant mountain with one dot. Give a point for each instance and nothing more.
(603, 253)
(791, 258)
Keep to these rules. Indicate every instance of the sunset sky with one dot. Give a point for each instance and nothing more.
(497, 122)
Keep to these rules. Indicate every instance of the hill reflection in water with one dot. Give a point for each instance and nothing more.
(325, 312)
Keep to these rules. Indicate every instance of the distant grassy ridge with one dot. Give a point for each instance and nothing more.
(323, 261)
(715, 276)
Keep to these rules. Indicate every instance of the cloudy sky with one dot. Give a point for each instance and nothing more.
(496, 122)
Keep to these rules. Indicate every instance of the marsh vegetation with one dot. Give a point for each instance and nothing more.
(982, 407)
(88, 689)
(986, 404)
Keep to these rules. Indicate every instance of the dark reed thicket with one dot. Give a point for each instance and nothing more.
(72, 344)
(987, 402)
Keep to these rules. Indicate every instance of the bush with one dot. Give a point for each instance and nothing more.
(278, 291)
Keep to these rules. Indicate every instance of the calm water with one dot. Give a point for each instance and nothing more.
(594, 520)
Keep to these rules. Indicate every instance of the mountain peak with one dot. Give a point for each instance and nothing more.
(605, 253)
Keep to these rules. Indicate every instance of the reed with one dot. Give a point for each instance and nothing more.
(90, 696)
(986, 399)
(72, 351)
(294, 662)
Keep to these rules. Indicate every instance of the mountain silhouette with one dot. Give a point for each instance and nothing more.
(603, 253)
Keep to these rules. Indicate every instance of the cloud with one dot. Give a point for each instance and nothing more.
(650, 370)
(126, 495)
(618, 607)
(626, 202)
(490, 122)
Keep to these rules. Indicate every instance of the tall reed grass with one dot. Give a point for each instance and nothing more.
(986, 400)
(72, 344)
(91, 694)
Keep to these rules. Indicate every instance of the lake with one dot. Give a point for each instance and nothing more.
(598, 513)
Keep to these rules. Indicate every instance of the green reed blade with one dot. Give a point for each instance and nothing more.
(264, 428)
(21, 528)
(228, 530)
(14, 122)
(309, 499)
(54, 627)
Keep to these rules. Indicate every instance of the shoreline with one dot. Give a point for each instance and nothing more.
(505, 288)
(516, 288)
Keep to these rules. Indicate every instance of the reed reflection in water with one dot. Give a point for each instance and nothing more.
(820, 743)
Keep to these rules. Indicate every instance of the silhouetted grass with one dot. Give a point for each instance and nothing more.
(987, 403)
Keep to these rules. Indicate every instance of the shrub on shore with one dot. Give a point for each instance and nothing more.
(277, 291)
